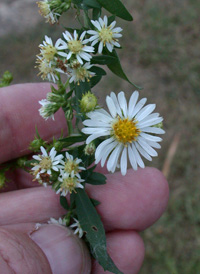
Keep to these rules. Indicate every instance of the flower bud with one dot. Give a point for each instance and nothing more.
(88, 102)
(159, 125)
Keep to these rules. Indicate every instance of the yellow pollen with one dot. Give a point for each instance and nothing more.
(46, 163)
(75, 46)
(106, 35)
(125, 130)
(69, 184)
(70, 166)
(48, 52)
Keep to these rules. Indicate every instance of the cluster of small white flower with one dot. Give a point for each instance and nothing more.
(72, 55)
(67, 169)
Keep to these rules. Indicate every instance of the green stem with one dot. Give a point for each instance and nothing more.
(70, 127)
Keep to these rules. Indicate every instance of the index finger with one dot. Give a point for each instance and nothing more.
(19, 115)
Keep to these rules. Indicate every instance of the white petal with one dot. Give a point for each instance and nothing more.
(143, 113)
(147, 147)
(113, 158)
(123, 161)
(138, 106)
(154, 130)
(111, 106)
(150, 137)
(132, 103)
(43, 150)
(143, 152)
(123, 103)
(137, 156)
(132, 158)
(100, 48)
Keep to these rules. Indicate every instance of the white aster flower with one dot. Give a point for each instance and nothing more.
(48, 109)
(81, 73)
(129, 128)
(77, 46)
(68, 183)
(60, 221)
(71, 165)
(45, 10)
(77, 227)
(48, 50)
(46, 162)
(106, 35)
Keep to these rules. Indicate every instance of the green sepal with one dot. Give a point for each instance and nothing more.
(95, 234)
(64, 203)
(117, 69)
(116, 7)
(103, 60)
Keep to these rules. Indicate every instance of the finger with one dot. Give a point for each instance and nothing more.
(50, 249)
(126, 248)
(134, 201)
(19, 116)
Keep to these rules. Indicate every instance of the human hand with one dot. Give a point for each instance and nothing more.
(129, 204)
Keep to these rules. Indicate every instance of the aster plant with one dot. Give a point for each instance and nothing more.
(124, 133)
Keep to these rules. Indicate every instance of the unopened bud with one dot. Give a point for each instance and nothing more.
(88, 102)
(159, 125)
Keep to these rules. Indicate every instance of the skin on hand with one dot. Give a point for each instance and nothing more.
(129, 203)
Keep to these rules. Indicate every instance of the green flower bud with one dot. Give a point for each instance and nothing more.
(88, 102)
(55, 98)
(90, 149)
(36, 144)
(160, 125)
(6, 79)
(21, 161)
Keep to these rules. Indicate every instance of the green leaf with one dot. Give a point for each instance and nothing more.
(95, 202)
(64, 203)
(103, 60)
(95, 80)
(73, 139)
(81, 88)
(92, 4)
(96, 13)
(116, 7)
(96, 179)
(98, 70)
(91, 223)
(116, 68)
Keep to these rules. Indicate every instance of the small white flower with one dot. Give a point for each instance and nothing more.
(78, 47)
(48, 50)
(48, 109)
(46, 162)
(106, 35)
(129, 128)
(60, 221)
(71, 165)
(78, 229)
(50, 16)
(81, 73)
(68, 183)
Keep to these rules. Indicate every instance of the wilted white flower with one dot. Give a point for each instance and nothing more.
(68, 183)
(105, 35)
(60, 221)
(46, 162)
(81, 73)
(47, 70)
(77, 46)
(45, 10)
(129, 128)
(77, 227)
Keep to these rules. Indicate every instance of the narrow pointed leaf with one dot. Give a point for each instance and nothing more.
(91, 223)
(103, 60)
(116, 7)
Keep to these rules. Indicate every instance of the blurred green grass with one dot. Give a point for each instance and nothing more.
(161, 53)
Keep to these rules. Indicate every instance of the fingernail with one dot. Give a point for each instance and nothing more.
(64, 251)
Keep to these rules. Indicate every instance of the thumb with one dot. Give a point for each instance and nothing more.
(50, 249)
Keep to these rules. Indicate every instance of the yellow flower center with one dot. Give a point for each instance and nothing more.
(48, 52)
(125, 130)
(69, 184)
(70, 166)
(46, 163)
(75, 46)
(106, 35)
